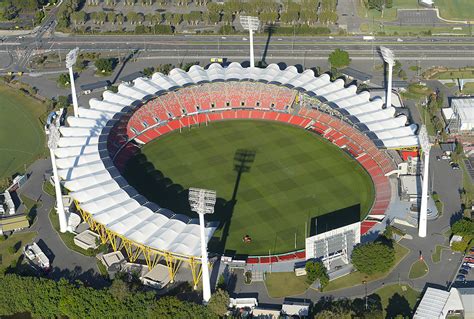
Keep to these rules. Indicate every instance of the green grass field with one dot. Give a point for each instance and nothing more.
(21, 134)
(456, 9)
(294, 176)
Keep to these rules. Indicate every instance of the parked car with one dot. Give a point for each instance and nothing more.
(471, 265)
(463, 272)
(465, 267)
(460, 278)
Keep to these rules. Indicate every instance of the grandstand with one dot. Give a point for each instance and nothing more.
(95, 147)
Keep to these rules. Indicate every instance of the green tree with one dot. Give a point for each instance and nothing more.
(104, 65)
(463, 227)
(63, 101)
(219, 302)
(148, 71)
(39, 16)
(79, 17)
(339, 58)
(119, 289)
(316, 270)
(164, 68)
(373, 257)
(63, 80)
(9, 11)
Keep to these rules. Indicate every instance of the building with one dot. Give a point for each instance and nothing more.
(440, 304)
(130, 77)
(426, 3)
(10, 223)
(334, 235)
(100, 85)
(87, 240)
(460, 116)
(158, 277)
(353, 74)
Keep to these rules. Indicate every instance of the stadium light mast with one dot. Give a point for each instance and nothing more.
(389, 58)
(52, 145)
(202, 201)
(252, 24)
(426, 147)
(71, 59)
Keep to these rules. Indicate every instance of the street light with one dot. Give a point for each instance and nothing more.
(202, 201)
(71, 59)
(389, 58)
(425, 147)
(252, 24)
(53, 139)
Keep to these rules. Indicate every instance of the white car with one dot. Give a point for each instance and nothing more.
(399, 40)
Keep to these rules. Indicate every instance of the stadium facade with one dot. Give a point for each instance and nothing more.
(94, 147)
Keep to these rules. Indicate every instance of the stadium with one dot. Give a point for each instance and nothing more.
(100, 151)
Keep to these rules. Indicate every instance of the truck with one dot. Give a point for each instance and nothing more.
(34, 253)
(368, 38)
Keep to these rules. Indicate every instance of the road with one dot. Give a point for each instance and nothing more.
(235, 48)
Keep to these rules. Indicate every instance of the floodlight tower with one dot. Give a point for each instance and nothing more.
(53, 139)
(426, 147)
(71, 59)
(389, 58)
(252, 24)
(202, 201)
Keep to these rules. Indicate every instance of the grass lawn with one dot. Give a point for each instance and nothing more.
(48, 188)
(418, 269)
(425, 118)
(405, 291)
(21, 134)
(436, 256)
(356, 278)
(294, 176)
(439, 204)
(283, 284)
(468, 88)
(18, 240)
(456, 9)
(388, 14)
(466, 73)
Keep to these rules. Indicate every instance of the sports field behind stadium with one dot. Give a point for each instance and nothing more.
(21, 135)
(270, 179)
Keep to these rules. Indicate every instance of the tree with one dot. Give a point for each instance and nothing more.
(219, 302)
(79, 17)
(148, 71)
(164, 68)
(9, 11)
(463, 227)
(373, 257)
(63, 101)
(119, 289)
(63, 80)
(104, 65)
(316, 270)
(339, 58)
(39, 15)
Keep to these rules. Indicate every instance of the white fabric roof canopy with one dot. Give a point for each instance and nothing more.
(104, 196)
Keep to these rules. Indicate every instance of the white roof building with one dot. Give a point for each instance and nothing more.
(463, 109)
(437, 304)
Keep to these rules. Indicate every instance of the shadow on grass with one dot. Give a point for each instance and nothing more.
(398, 307)
(156, 187)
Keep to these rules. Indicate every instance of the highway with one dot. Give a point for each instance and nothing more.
(236, 47)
